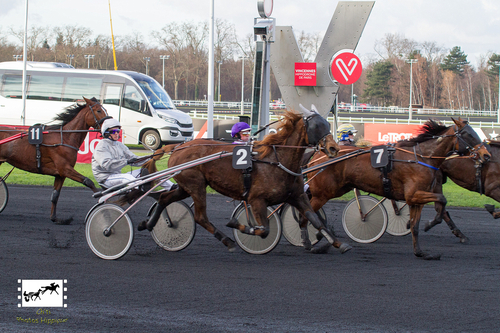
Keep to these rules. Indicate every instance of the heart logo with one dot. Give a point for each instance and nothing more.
(342, 66)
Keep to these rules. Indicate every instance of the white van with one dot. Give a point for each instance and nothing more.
(142, 106)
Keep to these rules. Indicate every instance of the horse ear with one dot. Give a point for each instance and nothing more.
(305, 111)
(457, 122)
(88, 101)
(313, 108)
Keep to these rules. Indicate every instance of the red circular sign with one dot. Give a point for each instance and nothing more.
(346, 68)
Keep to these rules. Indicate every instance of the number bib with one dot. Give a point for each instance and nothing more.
(379, 156)
(35, 136)
(242, 157)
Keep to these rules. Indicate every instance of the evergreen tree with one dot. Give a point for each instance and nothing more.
(377, 83)
(455, 61)
(493, 64)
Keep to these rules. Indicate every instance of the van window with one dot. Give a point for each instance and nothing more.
(77, 87)
(133, 100)
(112, 95)
(45, 87)
(12, 86)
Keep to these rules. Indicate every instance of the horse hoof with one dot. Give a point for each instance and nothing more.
(321, 249)
(63, 222)
(432, 257)
(142, 226)
(233, 223)
(231, 246)
(464, 240)
(490, 208)
(344, 248)
(427, 226)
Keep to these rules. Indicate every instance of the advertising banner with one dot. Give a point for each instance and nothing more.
(383, 133)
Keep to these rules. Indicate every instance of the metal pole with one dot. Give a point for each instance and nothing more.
(210, 92)
(147, 62)
(242, 84)
(164, 57)
(25, 54)
(498, 112)
(218, 89)
(411, 62)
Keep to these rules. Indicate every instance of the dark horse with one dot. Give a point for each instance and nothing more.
(59, 149)
(53, 288)
(415, 163)
(271, 184)
(474, 175)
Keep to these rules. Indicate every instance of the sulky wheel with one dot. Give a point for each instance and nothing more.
(291, 229)
(255, 244)
(115, 243)
(175, 228)
(369, 229)
(397, 223)
(4, 195)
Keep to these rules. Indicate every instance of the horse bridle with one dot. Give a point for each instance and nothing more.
(463, 145)
(99, 122)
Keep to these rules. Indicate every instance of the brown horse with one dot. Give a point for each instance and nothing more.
(411, 174)
(59, 149)
(475, 176)
(275, 176)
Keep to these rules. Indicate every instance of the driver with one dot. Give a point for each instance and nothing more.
(111, 155)
(345, 134)
(241, 132)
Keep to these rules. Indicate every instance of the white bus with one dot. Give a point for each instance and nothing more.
(142, 106)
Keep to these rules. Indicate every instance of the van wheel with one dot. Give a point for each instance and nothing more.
(151, 139)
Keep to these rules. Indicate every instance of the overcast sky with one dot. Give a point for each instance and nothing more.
(474, 25)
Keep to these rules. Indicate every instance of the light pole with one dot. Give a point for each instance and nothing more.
(411, 62)
(88, 57)
(147, 62)
(71, 57)
(164, 57)
(17, 56)
(218, 89)
(498, 112)
(242, 84)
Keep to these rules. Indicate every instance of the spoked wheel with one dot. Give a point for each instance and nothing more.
(115, 243)
(4, 195)
(175, 228)
(369, 229)
(290, 219)
(256, 244)
(397, 223)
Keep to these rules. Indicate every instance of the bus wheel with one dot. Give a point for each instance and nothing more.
(151, 139)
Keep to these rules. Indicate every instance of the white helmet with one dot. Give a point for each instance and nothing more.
(109, 123)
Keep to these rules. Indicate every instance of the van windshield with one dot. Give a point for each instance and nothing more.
(155, 93)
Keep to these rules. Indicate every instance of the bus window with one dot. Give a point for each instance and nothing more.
(133, 100)
(12, 86)
(77, 87)
(44, 87)
(112, 94)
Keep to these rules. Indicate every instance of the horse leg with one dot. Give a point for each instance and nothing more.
(415, 214)
(69, 172)
(316, 204)
(447, 218)
(304, 207)
(259, 210)
(58, 183)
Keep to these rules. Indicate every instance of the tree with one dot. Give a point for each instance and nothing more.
(455, 61)
(377, 83)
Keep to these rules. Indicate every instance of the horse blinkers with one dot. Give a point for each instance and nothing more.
(464, 137)
(317, 128)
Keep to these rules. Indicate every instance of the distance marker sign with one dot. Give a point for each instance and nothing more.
(346, 68)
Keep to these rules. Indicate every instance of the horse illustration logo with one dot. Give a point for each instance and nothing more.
(42, 293)
(53, 286)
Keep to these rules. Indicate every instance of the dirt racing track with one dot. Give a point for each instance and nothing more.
(376, 287)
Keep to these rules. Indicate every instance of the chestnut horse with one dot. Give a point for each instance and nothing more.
(415, 163)
(58, 150)
(472, 175)
(275, 176)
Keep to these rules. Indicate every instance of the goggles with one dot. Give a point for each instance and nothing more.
(115, 131)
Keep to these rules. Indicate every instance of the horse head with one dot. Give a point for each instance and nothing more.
(96, 114)
(318, 131)
(469, 143)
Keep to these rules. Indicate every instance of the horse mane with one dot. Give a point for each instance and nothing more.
(494, 143)
(429, 130)
(284, 130)
(69, 114)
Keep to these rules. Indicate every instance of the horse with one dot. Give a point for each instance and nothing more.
(56, 155)
(275, 176)
(32, 295)
(53, 288)
(407, 177)
(472, 175)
